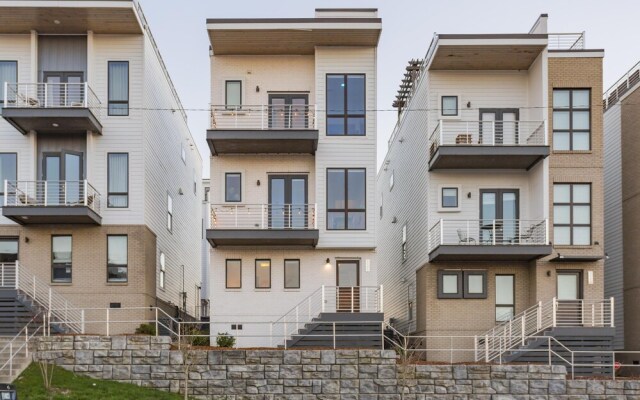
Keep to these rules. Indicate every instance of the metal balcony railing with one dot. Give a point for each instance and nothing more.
(263, 216)
(264, 117)
(51, 95)
(51, 194)
(566, 41)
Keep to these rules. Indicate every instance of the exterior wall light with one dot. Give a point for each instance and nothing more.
(327, 264)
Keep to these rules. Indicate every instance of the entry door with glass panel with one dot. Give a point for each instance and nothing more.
(503, 122)
(348, 282)
(569, 295)
(288, 111)
(288, 207)
(64, 175)
(499, 213)
(64, 89)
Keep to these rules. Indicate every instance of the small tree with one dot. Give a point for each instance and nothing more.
(46, 371)
(190, 338)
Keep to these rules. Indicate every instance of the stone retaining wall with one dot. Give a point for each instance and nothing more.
(313, 374)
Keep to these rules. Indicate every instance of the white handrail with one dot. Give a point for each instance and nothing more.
(19, 344)
(263, 216)
(264, 117)
(52, 193)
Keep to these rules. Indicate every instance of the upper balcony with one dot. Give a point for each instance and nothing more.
(263, 129)
(63, 108)
(51, 202)
(489, 240)
(456, 144)
(279, 225)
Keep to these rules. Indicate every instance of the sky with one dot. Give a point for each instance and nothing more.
(179, 28)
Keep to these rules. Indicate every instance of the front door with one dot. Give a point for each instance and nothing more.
(64, 89)
(499, 213)
(288, 111)
(63, 174)
(499, 126)
(348, 283)
(288, 208)
(569, 295)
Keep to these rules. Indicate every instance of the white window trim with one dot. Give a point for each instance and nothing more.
(449, 209)
(459, 116)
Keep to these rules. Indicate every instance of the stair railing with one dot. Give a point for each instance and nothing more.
(19, 344)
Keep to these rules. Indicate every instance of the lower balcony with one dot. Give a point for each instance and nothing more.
(51, 202)
(269, 225)
(489, 240)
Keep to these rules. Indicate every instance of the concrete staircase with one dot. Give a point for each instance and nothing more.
(352, 330)
(20, 361)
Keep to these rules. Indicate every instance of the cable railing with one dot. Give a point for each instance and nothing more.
(566, 41)
(264, 117)
(263, 216)
(51, 194)
(8, 275)
(622, 86)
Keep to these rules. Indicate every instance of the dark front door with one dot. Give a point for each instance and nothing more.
(289, 111)
(288, 208)
(501, 123)
(348, 282)
(64, 175)
(64, 89)
(499, 213)
(569, 294)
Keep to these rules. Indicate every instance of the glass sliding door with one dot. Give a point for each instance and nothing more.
(288, 207)
(499, 126)
(499, 214)
(63, 174)
(288, 111)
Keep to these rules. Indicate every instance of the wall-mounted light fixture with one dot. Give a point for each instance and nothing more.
(548, 273)
(26, 239)
(257, 89)
(468, 195)
(258, 182)
(327, 264)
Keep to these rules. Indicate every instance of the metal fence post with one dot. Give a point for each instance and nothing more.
(17, 274)
(82, 321)
(554, 308)
(475, 347)
(156, 321)
(381, 298)
(107, 322)
(322, 298)
(612, 310)
(334, 335)
(524, 326)
(486, 348)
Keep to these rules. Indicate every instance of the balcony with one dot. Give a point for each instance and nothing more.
(265, 129)
(51, 202)
(278, 225)
(489, 240)
(52, 108)
(456, 144)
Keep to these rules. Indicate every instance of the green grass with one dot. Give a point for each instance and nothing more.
(67, 385)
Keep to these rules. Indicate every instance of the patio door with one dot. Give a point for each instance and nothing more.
(64, 89)
(504, 120)
(288, 111)
(348, 283)
(499, 213)
(288, 207)
(569, 295)
(63, 173)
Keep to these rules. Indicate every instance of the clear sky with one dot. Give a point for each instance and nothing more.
(407, 28)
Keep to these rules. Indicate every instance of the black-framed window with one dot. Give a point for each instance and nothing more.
(292, 274)
(346, 105)
(572, 119)
(118, 88)
(405, 255)
(475, 284)
(449, 106)
(8, 171)
(233, 187)
(8, 74)
(163, 271)
(263, 274)
(8, 249)
(505, 297)
(346, 199)
(572, 214)
(118, 180)
(449, 197)
(449, 284)
(233, 274)
(462, 284)
(61, 258)
(117, 258)
(233, 94)
(169, 212)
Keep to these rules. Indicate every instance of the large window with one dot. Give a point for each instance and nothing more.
(233, 187)
(263, 274)
(292, 274)
(8, 74)
(505, 297)
(8, 250)
(8, 171)
(346, 113)
(346, 199)
(233, 94)
(61, 258)
(169, 212)
(571, 119)
(118, 180)
(119, 88)
(117, 258)
(572, 214)
(233, 274)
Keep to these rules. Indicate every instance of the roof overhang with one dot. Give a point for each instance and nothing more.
(40, 215)
(290, 36)
(489, 253)
(574, 258)
(251, 238)
(72, 16)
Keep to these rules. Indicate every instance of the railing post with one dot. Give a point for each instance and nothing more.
(315, 216)
(539, 312)
(593, 314)
(34, 288)
(6, 101)
(49, 299)
(441, 132)
(486, 348)
(6, 182)
(334, 335)
(262, 216)
(493, 230)
(554, 308)
(352, 305)
(82, 330)
(322, 298)
(236, 215)
(263, 110)
(297, 319)
(85, 197)
(441, 231)
(17, 275)
(156, 321)
(86, 95)
(26, 340)
(46, 194)
(107, 322)
(381, 301)
(524, 326)
(493, 124)
(46, 96)
(611, 316)
(475, 348)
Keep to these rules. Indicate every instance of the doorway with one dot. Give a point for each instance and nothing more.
(348, 283)
(288, 111)
(505, 121)
(569, 295)
(288, 208)
(64, 174)
(64, 89)
(499, 213)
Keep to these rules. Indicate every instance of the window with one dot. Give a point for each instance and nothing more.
(572, 214)
(475, 285)
(404, 242)
(61, 258)
(169, 213)
(449, 284)
(263, 274)
(183, 153)
(571, 119)
(8, 171)
(449, 197)
(449, 106)
(118, 180)
(505, 297)
(233, 274)
(346, 114)
(117, 258)
(206, 193)
(462, 284)
(391, 179)
(115, 305)
(195, 183)
(346, 199)
(233, 187)
(292, 274)
(8, 74)
(119, 88)
(8, 250)
(162, 270)
(233, 94)
(381, 205)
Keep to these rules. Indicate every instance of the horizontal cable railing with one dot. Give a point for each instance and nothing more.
(51, 193)
(51, 95)
(8, 275)
(264, 117)
(263, 216)
(566, 41)
(482, 232)
(622, 86)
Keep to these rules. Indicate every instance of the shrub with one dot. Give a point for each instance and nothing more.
(146, 329)
(225, 340)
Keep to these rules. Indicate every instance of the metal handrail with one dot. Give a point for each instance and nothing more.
(263, 216)
(566, 41)
(20, 342)
(483, 232)
(621, 86)
(51, 193)
(264, 117)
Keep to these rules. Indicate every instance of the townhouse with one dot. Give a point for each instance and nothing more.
(101, 180)
(490, 197)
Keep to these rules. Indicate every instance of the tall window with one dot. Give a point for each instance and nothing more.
(8, 171)
(8, 74)
(61, 258)
(169, 212)
(233, 274)
(346, 112)
(404, 242)
(346, 198)
(117, 258)
(119, 88)
(572, 214)
(162, 270)
(233, 187)
(118, 180)
(263, 274)
(8, 250)
(505, 297)
(233, 94)
(571, 119)
(292, 274)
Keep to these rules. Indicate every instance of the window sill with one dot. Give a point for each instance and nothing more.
(233, 290)
(262, 290)
(61, 283)
(572, 152)
(574, 247)
(117, 283)
(292, 290)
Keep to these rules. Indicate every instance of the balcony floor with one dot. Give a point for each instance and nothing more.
(487, 157)
(272, 141)
(281, 238)
(489, 252)
(40, 215)
(42, 120)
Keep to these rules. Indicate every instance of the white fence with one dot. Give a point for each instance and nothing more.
(264, 117)
(264, 216)
(51, 193)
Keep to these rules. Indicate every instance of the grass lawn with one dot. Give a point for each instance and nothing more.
(66, 385)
